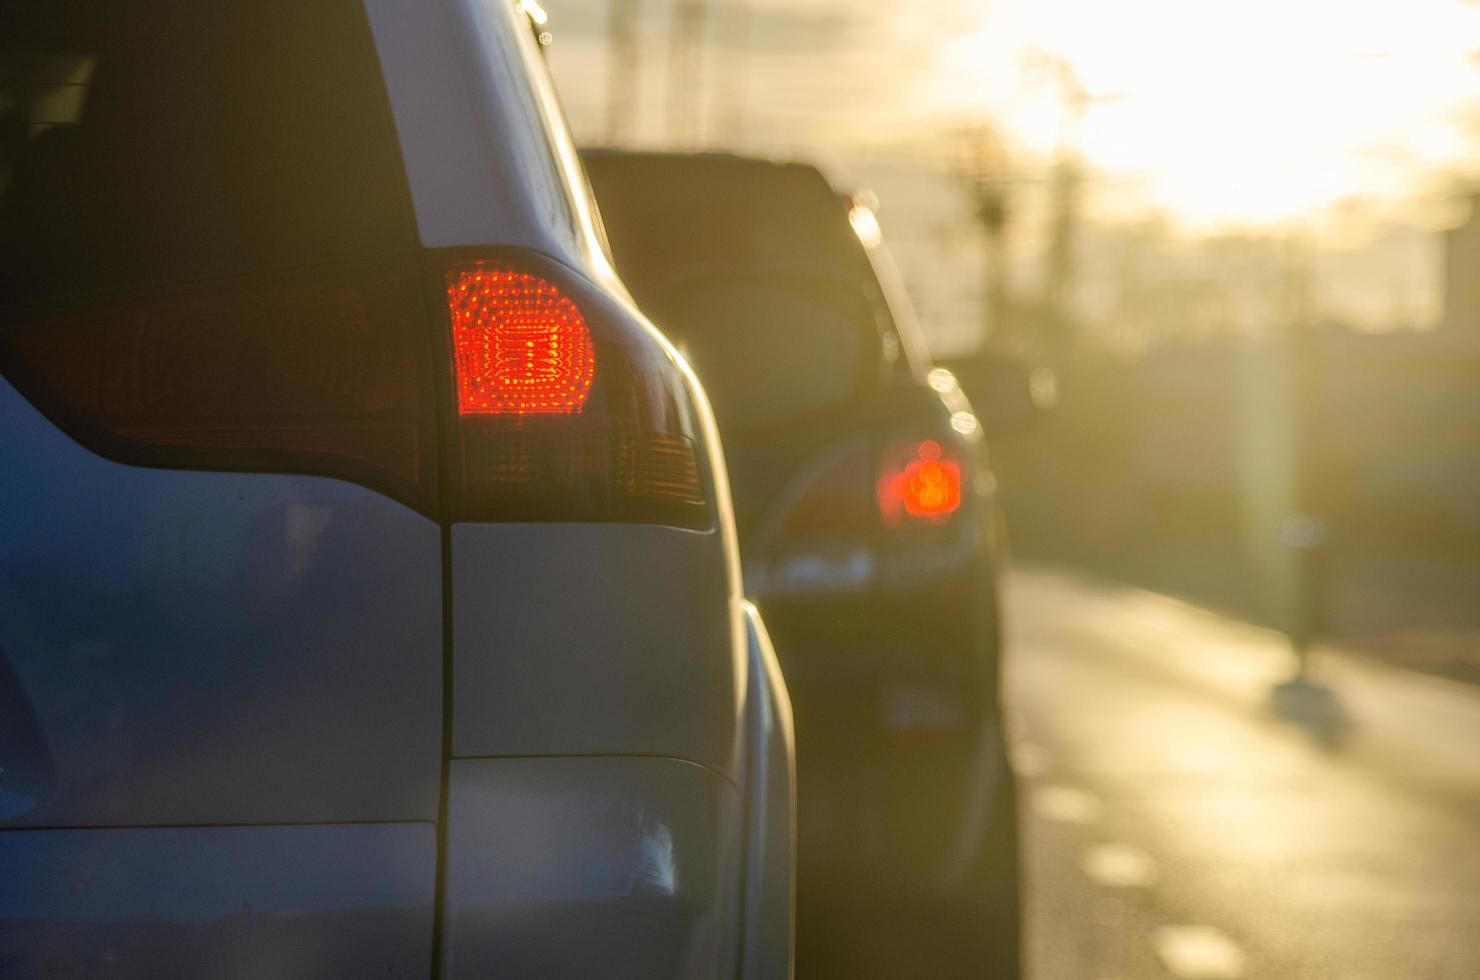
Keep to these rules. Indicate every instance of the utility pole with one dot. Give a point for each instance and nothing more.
(1066, 189)
(984, 168)
(733, 86)
(1282, 414)
(1302, 532)
(1066, 197)
(621, 70)
(685, 70)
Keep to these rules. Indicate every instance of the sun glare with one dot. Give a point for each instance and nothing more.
(1228, 112)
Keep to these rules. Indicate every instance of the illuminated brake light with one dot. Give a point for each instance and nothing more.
(538, 435)
(521, 346)
(927, 486)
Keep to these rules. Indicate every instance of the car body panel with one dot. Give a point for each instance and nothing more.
(488, 157)
(613, 867)
(213, 647)
(476, 160)
(574, 639)
(288, 902)
(770, 807)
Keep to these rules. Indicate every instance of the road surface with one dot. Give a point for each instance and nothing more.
(1183, 823)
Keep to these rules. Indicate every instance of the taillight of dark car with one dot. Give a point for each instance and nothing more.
(870, 509)
(919, 481)
(865, 486)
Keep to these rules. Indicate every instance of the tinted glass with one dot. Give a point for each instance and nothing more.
(153, 142)
(769, 349)
(753, 270)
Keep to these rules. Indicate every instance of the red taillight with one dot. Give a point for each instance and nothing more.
(556, 403)
(521, 347)
(865, 511)
(920, 482)
(567, 409)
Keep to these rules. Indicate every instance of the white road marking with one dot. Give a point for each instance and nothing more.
(1198, 953)
(1118, 866)
(1066, 804)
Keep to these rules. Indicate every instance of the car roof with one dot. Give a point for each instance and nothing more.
(698, 158)
(673, 215)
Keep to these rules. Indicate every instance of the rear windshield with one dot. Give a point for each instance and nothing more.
(147, 142)
(674, 216)
(753, 270)
(770, 348)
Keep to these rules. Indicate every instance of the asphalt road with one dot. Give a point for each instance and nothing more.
(1182, 822)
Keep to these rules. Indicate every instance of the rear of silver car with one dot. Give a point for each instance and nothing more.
(369, 601)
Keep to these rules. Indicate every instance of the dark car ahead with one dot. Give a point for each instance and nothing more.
(869, 537)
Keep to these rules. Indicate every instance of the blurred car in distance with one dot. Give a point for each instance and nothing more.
(370, 602)
(869, 536)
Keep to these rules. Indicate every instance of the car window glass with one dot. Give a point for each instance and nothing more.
(687, 218)
(153, 142)
(769, 351)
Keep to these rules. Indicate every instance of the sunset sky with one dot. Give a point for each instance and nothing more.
(1215, 111)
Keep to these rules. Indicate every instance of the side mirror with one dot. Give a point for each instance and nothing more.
(1007, 393)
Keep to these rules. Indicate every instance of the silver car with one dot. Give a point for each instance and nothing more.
(369, 594)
